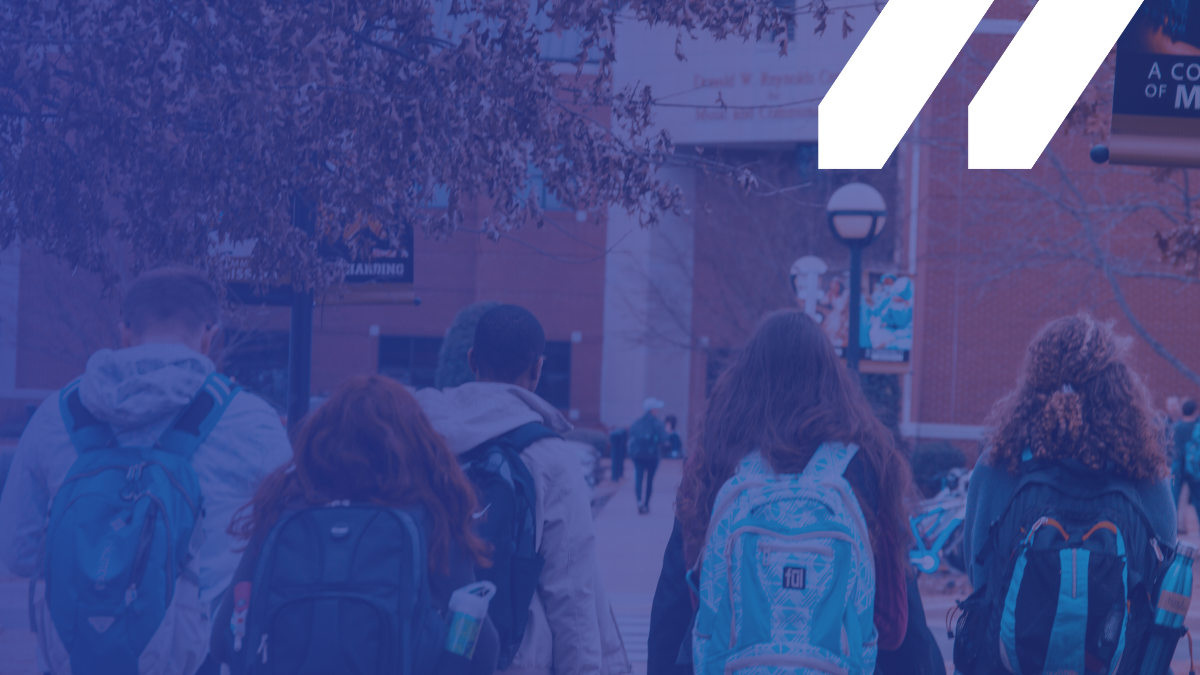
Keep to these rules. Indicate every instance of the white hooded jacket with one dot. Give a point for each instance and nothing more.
(571, 629)
(139, 391)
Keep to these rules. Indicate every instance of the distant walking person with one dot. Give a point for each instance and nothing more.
(550, 609)
(1185, 465)
(331, 539)
(646, 437)
(1069, 514)
(123, 486)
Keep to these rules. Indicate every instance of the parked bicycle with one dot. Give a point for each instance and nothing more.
(938, 527)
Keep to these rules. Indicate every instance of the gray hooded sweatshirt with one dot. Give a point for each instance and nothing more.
(138, 391)
(571, 629)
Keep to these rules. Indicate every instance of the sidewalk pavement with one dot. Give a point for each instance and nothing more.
(629, 548)
(16, 640)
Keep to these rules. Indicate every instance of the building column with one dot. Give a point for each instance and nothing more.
(648, 338)
(10, 295)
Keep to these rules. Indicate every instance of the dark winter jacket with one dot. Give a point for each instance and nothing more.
(992, 488)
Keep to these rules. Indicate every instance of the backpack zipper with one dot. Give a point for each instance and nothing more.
(815, 549)
(1074, 573)
(754, 529)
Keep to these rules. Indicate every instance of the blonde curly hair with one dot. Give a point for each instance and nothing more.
(1078, 399)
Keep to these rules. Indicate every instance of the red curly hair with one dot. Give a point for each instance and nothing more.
(1079, 399)
(371, 442)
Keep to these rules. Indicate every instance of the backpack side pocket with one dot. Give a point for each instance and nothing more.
(972, 644)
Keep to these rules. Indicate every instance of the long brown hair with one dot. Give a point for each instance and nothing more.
(785, 394)
(1077, 398)
(371, 442)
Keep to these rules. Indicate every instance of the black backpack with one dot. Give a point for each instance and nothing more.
(644, 440)
(506, 500)
(1073, 563)
(344, 589)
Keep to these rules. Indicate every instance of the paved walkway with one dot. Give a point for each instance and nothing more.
(630, 548)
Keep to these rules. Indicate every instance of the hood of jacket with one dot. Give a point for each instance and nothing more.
(136, 386)
(472, 413)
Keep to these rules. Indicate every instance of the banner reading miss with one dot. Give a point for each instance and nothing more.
(1156, 96)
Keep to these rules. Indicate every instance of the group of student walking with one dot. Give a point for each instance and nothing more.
(170, 526)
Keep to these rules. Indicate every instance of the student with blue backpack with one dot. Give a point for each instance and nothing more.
(1070, 520)
(123, 485)
(792, 517)
(356, 548)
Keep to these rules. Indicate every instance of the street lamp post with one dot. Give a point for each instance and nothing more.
(856, 215)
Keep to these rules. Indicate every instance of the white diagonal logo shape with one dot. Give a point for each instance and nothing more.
(890, 76)
(1031, 90)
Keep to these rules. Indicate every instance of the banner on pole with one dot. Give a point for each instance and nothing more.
(886, 319)
(1156, 95)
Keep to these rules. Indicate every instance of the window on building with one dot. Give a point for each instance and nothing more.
(806, 162)
(410, 360)
(258, 361)
(789, 6)
(555, 385)
(545, 196)
(564, 46)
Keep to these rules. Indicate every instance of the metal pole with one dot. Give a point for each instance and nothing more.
(301, 334)
(852, 339)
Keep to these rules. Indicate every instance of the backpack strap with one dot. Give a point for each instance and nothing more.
(86, 430)
(198, 419)
(523, 436)
(1048, 472)
(830, 460)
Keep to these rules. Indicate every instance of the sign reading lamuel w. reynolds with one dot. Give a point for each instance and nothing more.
(734, 91)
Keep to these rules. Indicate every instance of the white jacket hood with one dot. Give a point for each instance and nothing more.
(135, 386)
(472, 413)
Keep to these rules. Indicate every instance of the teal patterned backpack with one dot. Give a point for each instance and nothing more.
(787, 577)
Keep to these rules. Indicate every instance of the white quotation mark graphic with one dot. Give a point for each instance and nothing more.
(1017, 110)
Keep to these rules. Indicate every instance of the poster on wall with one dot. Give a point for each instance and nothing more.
(378, 270)
(382, 272)
(885, 321)
(1156, 94)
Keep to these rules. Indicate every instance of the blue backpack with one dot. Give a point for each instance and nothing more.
(121, 531)
(787, 578)
(645, 443)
